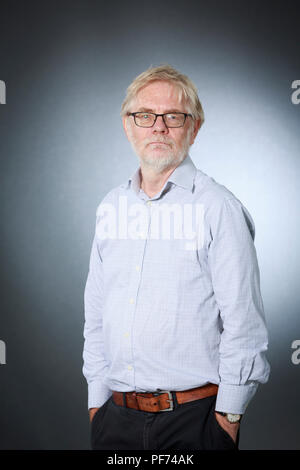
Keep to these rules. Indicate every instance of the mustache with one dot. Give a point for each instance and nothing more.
(160, 140)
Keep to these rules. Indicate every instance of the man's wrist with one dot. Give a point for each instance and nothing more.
(232, 418)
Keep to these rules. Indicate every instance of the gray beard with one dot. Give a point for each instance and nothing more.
(160, 164)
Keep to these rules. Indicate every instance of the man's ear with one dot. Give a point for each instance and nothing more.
(125, 125)
(197, 125)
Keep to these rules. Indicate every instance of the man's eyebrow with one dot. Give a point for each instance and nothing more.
(149, 110)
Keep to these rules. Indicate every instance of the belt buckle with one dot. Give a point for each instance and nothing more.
(171, 407)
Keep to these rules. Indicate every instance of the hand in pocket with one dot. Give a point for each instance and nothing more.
(92, 412)
(230, 428)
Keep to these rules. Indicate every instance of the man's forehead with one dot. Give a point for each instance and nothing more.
(159, 92)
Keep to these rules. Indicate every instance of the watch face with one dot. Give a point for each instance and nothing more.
(233, 418)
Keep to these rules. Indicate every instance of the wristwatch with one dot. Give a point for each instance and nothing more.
(232, 418)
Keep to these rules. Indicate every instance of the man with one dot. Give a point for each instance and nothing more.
(175, 332)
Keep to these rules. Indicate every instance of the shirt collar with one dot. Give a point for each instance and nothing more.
(183, 176)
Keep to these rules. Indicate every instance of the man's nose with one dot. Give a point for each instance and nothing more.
(159, 125)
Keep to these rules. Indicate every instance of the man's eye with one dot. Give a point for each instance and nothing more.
(171, 116)
(145, 116)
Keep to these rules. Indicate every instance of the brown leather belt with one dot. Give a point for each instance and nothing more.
(162, 400)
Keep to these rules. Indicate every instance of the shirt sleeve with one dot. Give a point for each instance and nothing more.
(236, 283)
(94, 362)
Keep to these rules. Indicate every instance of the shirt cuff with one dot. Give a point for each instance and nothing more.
(234, 398)
(98, 393)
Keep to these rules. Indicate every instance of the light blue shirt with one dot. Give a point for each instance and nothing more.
(172, 312)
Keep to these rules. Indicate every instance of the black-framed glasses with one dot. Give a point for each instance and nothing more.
(149, 119)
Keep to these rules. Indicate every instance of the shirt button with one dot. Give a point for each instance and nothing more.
(126, 334)
(137, 268)
(131, 300)
(149, 203)
(129, 367)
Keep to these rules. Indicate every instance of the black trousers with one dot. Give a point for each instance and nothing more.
(189, 426)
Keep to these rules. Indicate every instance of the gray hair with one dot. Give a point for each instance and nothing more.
(167, 73)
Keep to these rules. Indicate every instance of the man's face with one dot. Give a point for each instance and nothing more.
(160, 147)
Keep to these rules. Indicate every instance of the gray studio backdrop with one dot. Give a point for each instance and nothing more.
(66, 66)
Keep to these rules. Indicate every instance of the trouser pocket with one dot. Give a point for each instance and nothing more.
(98, 422)
(215, 437)
(225, 436)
